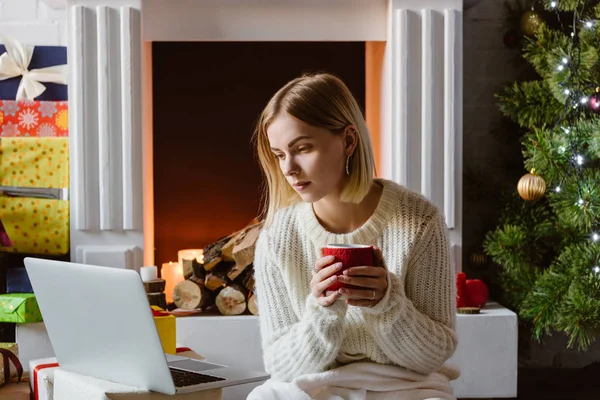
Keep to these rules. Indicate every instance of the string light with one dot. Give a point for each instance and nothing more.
(596, 269)
(583, 100)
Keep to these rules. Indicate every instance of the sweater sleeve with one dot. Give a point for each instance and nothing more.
(414, 324)
(293, 345)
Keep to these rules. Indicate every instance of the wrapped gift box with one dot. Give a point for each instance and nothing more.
(43, 56)
(34, 162)
(14, 365)
(166, 327)
(17, 280)
(35, 177)
(71, 386)
(41, 377)
(34, 118)
(19, 308)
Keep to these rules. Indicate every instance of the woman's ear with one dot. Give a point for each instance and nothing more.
(350, 139)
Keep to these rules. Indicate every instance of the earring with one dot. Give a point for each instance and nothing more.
(347, 162)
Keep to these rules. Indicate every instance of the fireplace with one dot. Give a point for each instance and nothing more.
(132, 204)
(207, 181)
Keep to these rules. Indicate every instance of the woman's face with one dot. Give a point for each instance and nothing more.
(312, 159)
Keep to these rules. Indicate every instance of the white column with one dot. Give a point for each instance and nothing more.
(105, 112)
(422, 105)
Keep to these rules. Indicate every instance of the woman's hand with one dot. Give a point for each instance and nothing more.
(323, 276)
(365, 286)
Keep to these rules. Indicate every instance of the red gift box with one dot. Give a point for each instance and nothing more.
(34, 118)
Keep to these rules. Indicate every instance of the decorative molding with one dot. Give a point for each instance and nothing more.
(116, 256)
(428, 92)
(451, 68)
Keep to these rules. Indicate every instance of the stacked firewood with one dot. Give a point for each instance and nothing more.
(225, 279)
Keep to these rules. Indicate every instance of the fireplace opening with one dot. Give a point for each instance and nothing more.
(206, 99)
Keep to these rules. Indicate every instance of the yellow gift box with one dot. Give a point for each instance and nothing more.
(166, 327)
(34, 205)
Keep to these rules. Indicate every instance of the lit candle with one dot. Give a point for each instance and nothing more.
(185, 258)
(172, 273)
(148, 273)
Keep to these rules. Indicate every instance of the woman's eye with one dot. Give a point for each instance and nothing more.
(280, 156)
(303, 149)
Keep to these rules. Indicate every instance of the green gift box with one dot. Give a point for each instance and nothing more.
(20, 308)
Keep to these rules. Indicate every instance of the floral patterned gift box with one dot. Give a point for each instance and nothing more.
(34, 118)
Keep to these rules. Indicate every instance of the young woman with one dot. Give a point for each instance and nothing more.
(388, 332)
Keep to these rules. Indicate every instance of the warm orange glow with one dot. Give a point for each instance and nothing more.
(172, 273)
(374, 54)
(147, 162)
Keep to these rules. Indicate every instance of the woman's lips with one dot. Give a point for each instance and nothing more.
(300, 186)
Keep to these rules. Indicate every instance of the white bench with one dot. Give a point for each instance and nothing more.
(486, 353)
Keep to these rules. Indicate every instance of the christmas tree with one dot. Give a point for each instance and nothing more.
(547, 242)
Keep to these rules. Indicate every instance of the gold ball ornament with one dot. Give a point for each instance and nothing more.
(530, 22)
(531, 186)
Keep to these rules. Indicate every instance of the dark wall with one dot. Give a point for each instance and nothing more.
(207, 97)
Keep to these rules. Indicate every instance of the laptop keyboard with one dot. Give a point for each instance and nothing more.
(183, 378)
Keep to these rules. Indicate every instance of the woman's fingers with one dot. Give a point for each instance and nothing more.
(375, 272)
(322, 263)
(327, 301)
(320, 287)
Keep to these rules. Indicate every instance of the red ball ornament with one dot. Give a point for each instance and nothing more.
(594, 103)
(477, 292)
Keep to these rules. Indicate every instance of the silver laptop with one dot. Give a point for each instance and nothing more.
(100, 324)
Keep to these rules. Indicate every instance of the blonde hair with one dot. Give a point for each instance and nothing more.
(321, 100)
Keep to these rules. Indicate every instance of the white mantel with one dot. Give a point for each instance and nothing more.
(111, 99)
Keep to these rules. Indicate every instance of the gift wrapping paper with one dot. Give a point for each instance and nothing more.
(19, 308)
(34, 118)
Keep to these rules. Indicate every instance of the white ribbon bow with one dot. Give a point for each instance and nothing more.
(15, 61)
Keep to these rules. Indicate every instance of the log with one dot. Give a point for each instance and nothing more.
(198, 270)
(212, 253)
(252, 306)
(232, 300)
(246, 278)
(217, 277)
(243, 251)
(191, 295)
(187, 267)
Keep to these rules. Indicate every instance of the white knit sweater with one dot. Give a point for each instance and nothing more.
(412, 326)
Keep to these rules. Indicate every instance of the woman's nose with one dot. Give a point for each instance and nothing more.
(290, 167)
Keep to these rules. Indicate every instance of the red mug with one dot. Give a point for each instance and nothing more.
(350, 255)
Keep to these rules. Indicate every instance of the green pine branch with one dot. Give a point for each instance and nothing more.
(530, 104)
